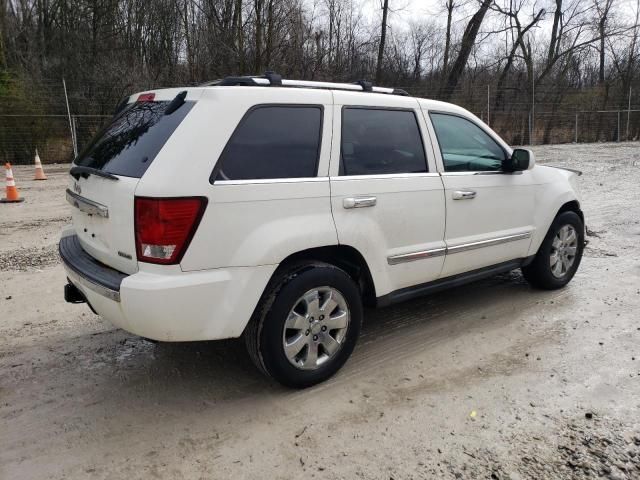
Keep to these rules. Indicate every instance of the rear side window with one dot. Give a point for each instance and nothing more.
(273, 141)
(377, 141)
(130, 143)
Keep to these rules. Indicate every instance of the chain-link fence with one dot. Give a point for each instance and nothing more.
(49, 117)
(521, 128)
(57, 129)
(49, 134)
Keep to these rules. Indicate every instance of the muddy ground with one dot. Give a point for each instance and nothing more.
(490, 380)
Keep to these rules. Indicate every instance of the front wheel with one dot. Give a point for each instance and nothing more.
(560, 254)
(306, 326)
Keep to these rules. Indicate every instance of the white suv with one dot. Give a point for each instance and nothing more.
(275, 209)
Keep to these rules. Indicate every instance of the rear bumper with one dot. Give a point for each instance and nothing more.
(85, 270)
(167, 304)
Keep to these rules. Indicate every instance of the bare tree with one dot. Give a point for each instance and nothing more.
(603, 11)
(518, 33)
(106, 49)
(383, 37)
(449, 6)
(466, 45)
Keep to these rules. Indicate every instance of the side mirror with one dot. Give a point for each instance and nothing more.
(521, 159)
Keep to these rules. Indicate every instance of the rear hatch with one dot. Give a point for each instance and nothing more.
(105, 175)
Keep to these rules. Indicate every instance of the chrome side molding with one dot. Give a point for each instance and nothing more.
(87, 206)
(463, 247)
(412, 257)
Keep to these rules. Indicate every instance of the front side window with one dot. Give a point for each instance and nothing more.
(378, 141)
(273, 141)
(464, 146)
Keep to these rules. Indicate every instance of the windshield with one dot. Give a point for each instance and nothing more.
(129, 144)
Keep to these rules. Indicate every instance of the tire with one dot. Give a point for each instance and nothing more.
(557, 251)
(288, 318)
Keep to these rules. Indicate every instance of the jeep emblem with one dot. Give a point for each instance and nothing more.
(76, 188)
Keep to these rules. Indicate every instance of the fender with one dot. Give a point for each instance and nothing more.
(556, 189)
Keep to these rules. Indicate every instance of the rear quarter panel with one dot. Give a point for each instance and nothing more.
(246, 223)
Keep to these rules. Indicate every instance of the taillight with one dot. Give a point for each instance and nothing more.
(164, 227)
(146, 97)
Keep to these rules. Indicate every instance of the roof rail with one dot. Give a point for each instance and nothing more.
(274, 80)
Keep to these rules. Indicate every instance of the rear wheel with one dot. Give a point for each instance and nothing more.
(560, 254)
(306, 325)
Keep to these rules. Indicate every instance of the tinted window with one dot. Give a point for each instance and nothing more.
(378, 141)
(465, 147)
(129, 144)
(273, 142)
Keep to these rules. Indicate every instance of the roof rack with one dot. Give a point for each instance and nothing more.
(271, 79)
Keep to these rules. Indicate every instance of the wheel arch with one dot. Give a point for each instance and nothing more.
(571, 206)
(345, 257)
(551, 202)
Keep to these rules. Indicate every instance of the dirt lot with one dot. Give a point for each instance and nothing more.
(491, 380)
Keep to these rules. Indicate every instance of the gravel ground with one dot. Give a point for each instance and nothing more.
(490, 380)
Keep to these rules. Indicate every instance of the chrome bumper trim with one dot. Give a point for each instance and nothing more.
(87, 206)
(78, 279)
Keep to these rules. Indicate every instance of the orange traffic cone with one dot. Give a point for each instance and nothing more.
(39, 171)
(12, 194)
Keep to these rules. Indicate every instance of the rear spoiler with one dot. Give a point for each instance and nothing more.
(176, 103)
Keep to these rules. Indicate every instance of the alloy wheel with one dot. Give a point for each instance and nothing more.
(563, 251)
(315, 328)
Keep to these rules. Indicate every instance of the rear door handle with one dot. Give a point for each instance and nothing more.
(359, 202)
(464, 195)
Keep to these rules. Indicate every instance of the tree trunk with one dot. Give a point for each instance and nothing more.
(447, 38)
(258, 5)
(269, 39)
(505, 71)
(602, 55)
(239, 38)
(603, 22)
(557, 16)
(383, 37)
(468, 39)
(3, 29)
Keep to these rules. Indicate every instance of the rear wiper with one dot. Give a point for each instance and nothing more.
(80, 171)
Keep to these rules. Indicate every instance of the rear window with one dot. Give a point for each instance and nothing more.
(273, 141)
(129, 144)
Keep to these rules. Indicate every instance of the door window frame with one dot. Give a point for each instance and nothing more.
(438, 151)
(216, 168)
(421, 130)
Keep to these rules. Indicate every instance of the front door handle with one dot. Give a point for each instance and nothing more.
(464, 195)
(359, 202)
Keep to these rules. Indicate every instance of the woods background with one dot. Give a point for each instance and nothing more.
(537, 71)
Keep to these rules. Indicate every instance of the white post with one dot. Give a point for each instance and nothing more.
(618, 125)
(576, 137)
(488, 108)
(73, 137)
(75, 133)
(628, 115)
(533, 103)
